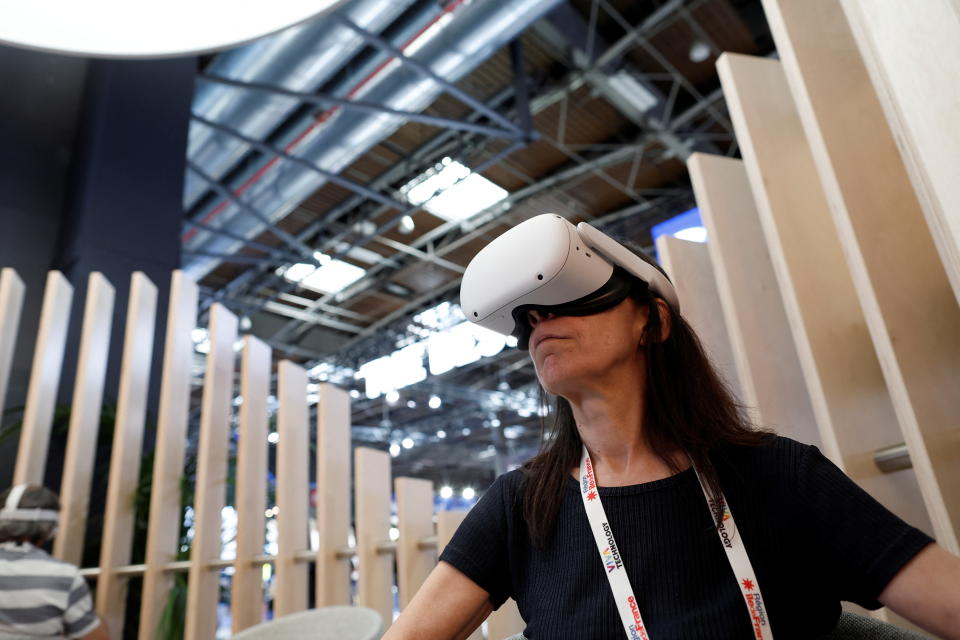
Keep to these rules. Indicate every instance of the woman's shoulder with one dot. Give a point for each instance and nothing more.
(772, 455)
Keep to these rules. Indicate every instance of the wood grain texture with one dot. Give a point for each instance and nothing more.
(163, 525)
(846, 385)
(126, 452)
(293, 449)
(246, 593)
(773, 385)
(84, 427)
(333, 506)
(909, 306)
(210, 492)
(371, 487)
(12, 291)
(910, 51)
(44, 380)
(691, 271)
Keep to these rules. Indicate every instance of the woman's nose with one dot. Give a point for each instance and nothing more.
(535, 317)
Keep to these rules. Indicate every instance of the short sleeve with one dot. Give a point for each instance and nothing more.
(861, 544)
(479, 548)
(79, 618)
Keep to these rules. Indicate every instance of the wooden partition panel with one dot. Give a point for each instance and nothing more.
(415, 522)
(293, 449)
(120, 510)
(447, 523)
(44, 381)
(163, 527)
(849, 396)
(688, 264)
(246, 594)
(210, 492)
(11, 305)
(371, 486)
(505, 621)
(333, 510)
(911, 51)
(81, 450)
(767, 361)
(908, 303)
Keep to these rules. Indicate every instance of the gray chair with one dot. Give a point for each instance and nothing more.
(851, 627)
(327, 623)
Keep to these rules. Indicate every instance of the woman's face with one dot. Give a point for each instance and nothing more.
(573, 353)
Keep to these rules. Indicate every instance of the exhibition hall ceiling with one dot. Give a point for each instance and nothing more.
(341, 175)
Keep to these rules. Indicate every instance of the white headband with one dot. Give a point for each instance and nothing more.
(12, 511)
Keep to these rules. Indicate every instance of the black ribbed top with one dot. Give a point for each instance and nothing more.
(813, 536)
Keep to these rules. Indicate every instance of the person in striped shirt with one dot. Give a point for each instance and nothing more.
(40, 596)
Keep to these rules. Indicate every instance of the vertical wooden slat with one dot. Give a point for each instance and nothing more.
(415, 522)
(447, 523)
(505, 621)
(767, 361)
(11, 305)
(290, 594)
(84, 419)
(372, 494)
(203, 588)
(163, 527)
(44, 380)
(911, 50)
(843, 375)
(246, 594)
(689, 266)
(120, 511)
(909, 306)
(333, 504)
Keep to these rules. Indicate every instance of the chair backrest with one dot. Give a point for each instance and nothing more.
(328, 623)
(852, 626)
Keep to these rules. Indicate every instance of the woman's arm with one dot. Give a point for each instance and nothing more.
(449, 606)
(926, 591)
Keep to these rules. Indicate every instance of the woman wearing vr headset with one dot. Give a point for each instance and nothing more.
(654, 509)
(40, 597)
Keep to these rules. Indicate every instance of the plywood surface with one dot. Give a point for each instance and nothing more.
(333, 510)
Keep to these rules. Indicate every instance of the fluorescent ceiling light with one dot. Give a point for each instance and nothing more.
(453, 192)
(147, 29)
(330, 277)
(630, 88)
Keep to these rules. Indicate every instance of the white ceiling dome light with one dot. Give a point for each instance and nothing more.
(148, 28)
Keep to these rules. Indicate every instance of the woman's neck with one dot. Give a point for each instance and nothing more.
(611, 425)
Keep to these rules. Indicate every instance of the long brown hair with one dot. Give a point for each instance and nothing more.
(686, 406)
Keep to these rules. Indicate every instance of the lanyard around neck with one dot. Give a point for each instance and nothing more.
(623, 595)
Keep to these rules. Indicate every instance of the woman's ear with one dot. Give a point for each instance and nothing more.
(665, 318)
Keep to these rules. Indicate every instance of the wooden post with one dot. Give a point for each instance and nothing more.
(447, 523)
(909, 306)
(415, 522)
(767, 361)
(120, 510)
(293, 451)
(688, 264)
(163, 527)
(11, 305)
(246, 594)
(911, 50)
(44, 381)
(333, 503)
(849, 396)
(372, 511)
(203, 590)
(84, 419)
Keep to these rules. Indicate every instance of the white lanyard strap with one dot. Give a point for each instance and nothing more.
(627, 605)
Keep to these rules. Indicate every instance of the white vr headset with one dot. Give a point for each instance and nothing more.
(547, 264)
(13, 511)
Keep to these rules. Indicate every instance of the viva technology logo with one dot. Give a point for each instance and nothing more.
(611, 555)
(724, 534)
(637, 630)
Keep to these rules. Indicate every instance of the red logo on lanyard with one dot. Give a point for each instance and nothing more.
(592, 495)
(747, 584)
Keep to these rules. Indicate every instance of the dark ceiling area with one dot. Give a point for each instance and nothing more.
(585, 108)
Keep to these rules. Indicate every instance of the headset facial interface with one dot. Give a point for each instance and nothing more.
(549, 265)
